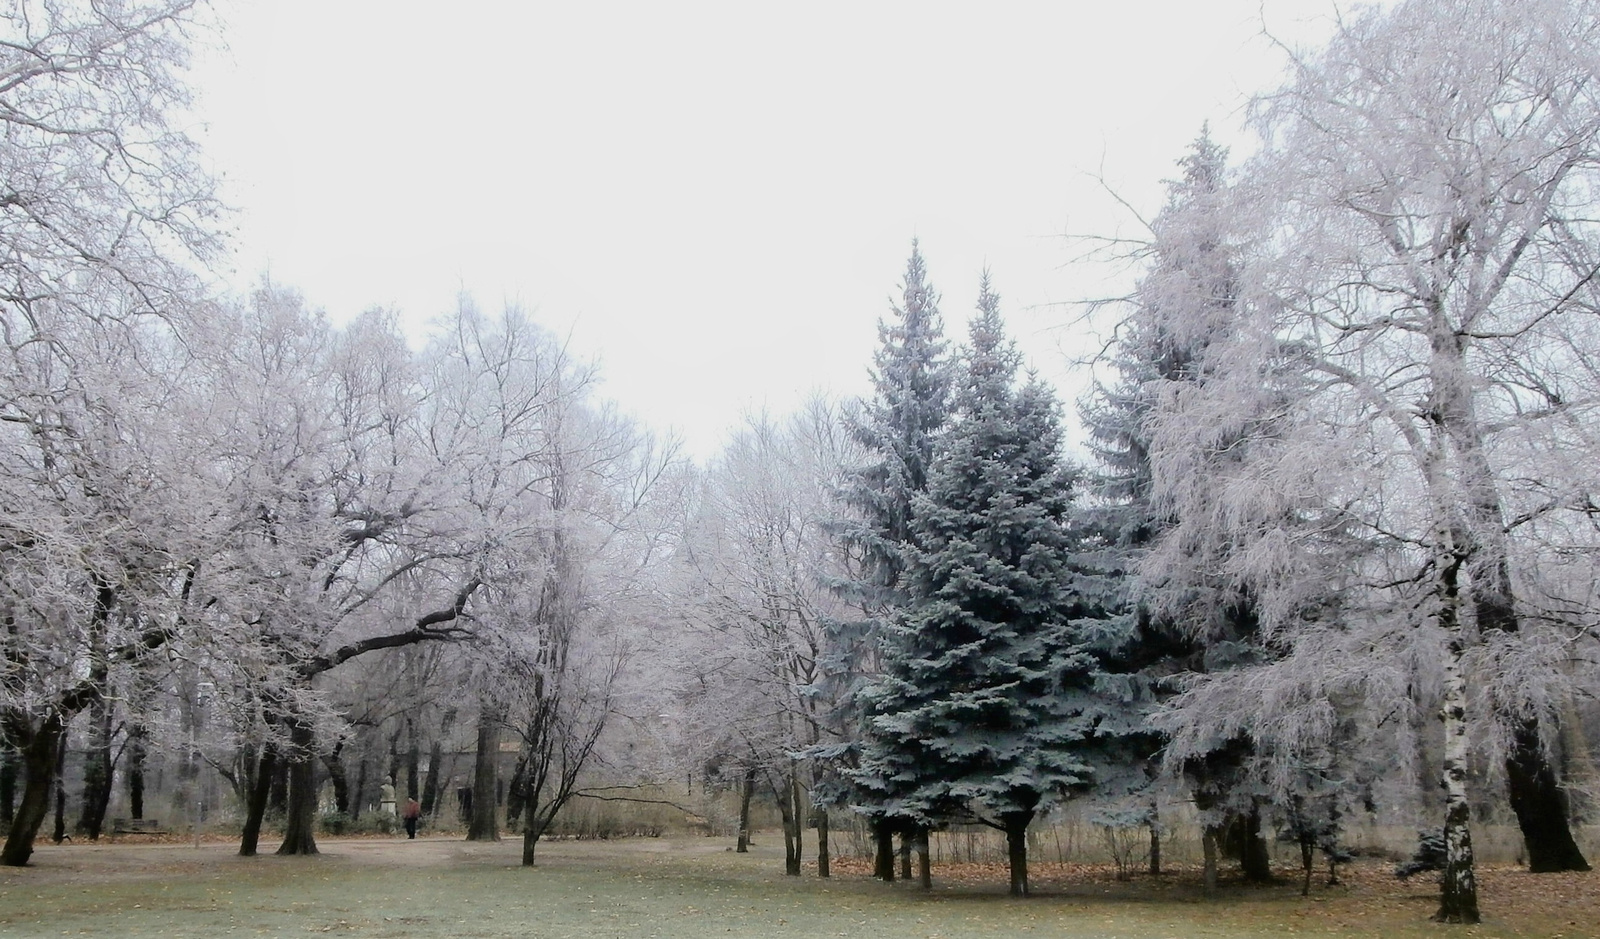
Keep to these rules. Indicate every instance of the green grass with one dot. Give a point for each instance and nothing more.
(666, 888)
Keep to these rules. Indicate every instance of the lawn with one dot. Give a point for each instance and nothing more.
(693, 887)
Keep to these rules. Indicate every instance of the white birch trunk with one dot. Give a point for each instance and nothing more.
(1458, 887)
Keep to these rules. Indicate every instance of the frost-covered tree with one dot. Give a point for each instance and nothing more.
(1183, 303)
(1420, 285)
(1434, 169)
(987, 695)
(762, 558)
(103, 207)
(896, 427)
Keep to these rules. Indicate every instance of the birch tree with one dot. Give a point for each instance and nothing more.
(1437, 170)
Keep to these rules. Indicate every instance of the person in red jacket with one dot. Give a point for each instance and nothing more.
(411, 813)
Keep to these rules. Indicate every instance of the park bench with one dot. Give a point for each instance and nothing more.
(136, 826)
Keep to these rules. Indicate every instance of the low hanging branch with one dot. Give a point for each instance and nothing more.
(436, 626)
(595, 795)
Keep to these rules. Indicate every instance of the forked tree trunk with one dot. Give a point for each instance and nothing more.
(789, 807)
(39, 755)
(299, 825)
(1535, 796)
(260, 791)
(484, 825)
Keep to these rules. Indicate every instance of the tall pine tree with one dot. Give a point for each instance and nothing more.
(1184, 304)
(986, 696)
(897, 426)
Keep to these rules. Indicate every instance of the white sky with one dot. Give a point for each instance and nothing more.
(716, 199)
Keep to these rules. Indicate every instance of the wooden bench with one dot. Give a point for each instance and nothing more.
(136, 826)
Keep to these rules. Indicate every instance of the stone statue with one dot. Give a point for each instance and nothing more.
(386, 797)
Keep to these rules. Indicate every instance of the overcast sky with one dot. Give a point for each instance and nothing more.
(716, 200)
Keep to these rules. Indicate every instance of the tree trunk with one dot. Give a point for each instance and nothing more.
(924, 861)
(518, 788)
(1016, 826)
(1208, 847)
(824, 860)
(260, 792)
(278, 795)
(1155, 842)
(430, 786)
(359, 796)
(1482, 550)
(341, 781)
(39, 755)
(534, 824)
(1255, 862)
(97, 770)
(135, 769)
(1308, 857)
(1458, 886)
(60, 834)
(484, 826)
(883, 859)
(789, 809)
(908, 838)
(413, 760)
(742, 846)
(8, 785)
(299, 825)
(1539, 804)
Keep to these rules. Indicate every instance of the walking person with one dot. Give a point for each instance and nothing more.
(412, 812)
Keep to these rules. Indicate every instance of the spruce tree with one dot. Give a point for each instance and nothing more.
(897, 427)
(1184, 304)
(986, 696)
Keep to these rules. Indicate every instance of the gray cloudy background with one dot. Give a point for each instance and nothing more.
(716, 200)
